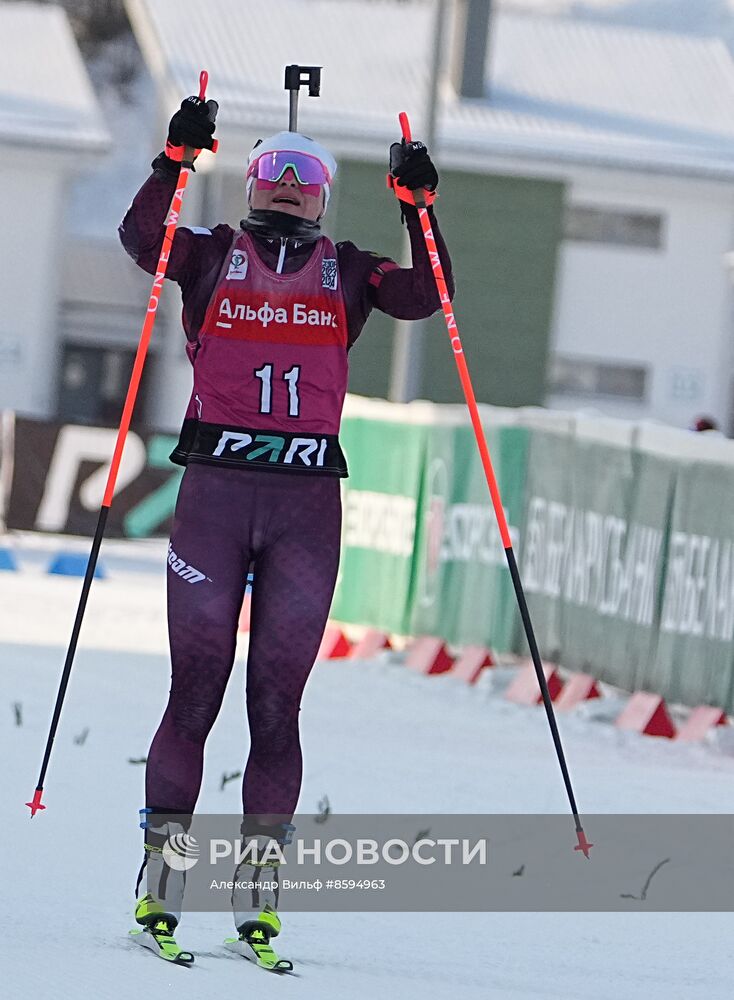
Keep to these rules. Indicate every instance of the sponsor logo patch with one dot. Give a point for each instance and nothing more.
(273, 448)
(329, 273)
(181, 568)
(266, 314)
(237, 266)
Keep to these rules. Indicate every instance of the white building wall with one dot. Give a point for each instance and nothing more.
(669, 309)
(666, 309)
(31, 196)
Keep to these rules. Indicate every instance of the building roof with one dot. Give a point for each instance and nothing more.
(559, 90)
(45, 94)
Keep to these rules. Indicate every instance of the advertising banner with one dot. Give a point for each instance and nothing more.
(593, 554)
(380, 504)
(626, 555)
(60, 472)
(463, 591)
(696, 639)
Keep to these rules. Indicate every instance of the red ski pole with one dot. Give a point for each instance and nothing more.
(419, 199)
(172, 218)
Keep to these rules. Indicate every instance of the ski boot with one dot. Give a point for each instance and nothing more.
(157, 935)
(263, 850)
(253, 942)
(158, 910)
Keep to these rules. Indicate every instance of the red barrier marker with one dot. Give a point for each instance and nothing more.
(371, 643)
(428, 655)
(334, 645)
(578, 688)
(646, 713)
(525, 689)
(699, 722)
(470, 663)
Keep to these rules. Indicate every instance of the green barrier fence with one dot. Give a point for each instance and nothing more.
(463, 590)
(380, 512)
(695, 643)
(624, 533)
(625, 552)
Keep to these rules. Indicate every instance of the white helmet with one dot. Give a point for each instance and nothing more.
(285, 142)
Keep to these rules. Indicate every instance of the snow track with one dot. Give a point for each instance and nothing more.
(377, 738)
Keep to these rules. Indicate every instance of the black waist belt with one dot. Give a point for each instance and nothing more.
(241, 447)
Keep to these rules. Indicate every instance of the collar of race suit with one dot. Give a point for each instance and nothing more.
(281, 225)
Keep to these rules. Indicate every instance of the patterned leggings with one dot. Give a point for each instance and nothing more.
(289, 526)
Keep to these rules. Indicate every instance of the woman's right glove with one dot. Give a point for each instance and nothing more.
(193, 125)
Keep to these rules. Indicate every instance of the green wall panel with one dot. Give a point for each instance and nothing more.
(503, 234)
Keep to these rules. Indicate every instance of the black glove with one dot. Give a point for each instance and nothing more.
(412, 167)
(193, 124)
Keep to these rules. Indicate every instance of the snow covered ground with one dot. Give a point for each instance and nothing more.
(377, 739)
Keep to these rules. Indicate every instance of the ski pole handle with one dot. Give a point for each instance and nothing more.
(420, 197)
(203, 84)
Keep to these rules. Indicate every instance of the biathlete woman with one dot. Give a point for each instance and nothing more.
(270, 312)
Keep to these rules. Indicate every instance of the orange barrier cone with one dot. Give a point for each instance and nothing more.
(699, 722)
(578, 688)
(428, 655)
(525, 689)
(334, 645)
(371, 643)
(646, 713)
(470, 663)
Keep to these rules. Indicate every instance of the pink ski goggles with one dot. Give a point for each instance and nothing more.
(270, 168)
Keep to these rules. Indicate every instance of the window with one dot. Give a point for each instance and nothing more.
(93, 384)
(613, 226)
(584, 377)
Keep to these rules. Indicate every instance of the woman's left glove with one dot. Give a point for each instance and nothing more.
(192, 126)
(412, 167)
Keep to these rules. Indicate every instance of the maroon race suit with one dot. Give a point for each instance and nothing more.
(270, 366)
(268, 331)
